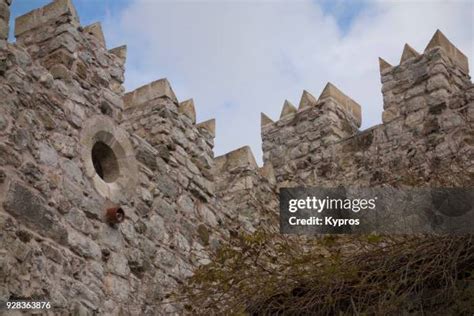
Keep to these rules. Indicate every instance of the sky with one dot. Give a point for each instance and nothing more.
(238, 58)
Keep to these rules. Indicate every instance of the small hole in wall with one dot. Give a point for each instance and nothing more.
(105, 162)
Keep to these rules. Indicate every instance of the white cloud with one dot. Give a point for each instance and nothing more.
(240, 58)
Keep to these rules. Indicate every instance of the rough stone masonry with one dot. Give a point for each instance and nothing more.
(73, 145)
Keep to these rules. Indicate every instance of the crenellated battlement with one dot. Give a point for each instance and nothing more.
(75, 147)
(330, 92)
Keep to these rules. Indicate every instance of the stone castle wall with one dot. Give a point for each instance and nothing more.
(74, 145)
(427, 130)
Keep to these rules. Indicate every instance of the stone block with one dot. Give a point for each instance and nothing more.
(45, 14)
(61, 56)
(4, 11)
(118, 264)
(32, 210)
(209, 126)
(384, 66)
(60, 71)
(268, 173)
(438, 81)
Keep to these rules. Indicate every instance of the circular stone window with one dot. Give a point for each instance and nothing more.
(108, 158)
(105, 162)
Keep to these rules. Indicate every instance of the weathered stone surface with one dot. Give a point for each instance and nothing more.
(408, 52)
(415, 97)
(120, 52)
(95, 30)
(287, 109)
(239, 158)
(209, 126)
(187, 108)
(83, 246)
(29, 208)
(383, 65)
(307, 100)
(440, 40)
(353, 108)
(265, 120)
(40, 16)
(156, 89)
(62, 94)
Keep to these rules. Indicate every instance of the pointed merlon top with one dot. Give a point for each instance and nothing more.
(440, 40)
(209, 126)
(239, 158)
(45, 14)
(95, 30)
(307, 100)
(157, 89)
(287, 109)
(408, 52)
(187, 108)
(120, 52)
(352, 107)
(383, 65)
(265, 120)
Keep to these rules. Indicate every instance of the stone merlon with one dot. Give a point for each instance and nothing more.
(45, 14)
(439, 40)
(157, 89)
(209, 126)
(4, 19)
(188, 109)
(95, 30)
(120, 52)
(383, 65)
(265, 120)
(287, 109)
(307, 99)
(352, 107)
(408, 52)
(236, 159)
